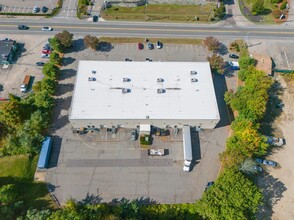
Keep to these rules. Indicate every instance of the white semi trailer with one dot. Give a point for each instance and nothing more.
(187, 146)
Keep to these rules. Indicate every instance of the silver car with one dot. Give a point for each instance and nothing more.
(47, 29)
(134, 135)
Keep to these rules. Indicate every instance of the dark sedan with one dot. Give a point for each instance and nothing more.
(40, 64)
(22, 27)
(234, 56)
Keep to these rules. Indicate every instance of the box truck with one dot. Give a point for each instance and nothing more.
(25, 84)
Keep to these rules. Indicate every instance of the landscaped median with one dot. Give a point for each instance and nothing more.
(162, 13)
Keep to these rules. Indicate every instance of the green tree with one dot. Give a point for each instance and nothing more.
(91, 42)
(48, 84)
(50, 70)
(44, 100)
(8, 194)
(258, 7)
(220, 12)
(56, 44)
(34, 214)
(65, 38)
(245, 62)
(247, 166)
(233, 196)
(231, 157)
(217, 63)
(212, 44)
(55, 58)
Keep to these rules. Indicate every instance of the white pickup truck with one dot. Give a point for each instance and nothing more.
(156, 152)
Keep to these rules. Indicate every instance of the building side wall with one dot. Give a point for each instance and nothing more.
(133, 123)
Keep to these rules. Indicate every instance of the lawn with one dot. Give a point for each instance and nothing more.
(164, 13)
(19, 170)
(163, 40)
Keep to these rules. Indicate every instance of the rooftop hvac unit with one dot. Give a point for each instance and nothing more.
(160, 90)
(125, 90)
(194, 80)
(126, 79)
(91, 79)
(193, 72)
(160, 80)
(94, 71)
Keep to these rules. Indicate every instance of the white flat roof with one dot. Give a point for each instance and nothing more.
(99, 95)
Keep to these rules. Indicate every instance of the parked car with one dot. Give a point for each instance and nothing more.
(150, 46)
(209, 184)
(266, 162)
(234, 56)
(45, 55)
(140, 46)
(158, 45)
(47, 29)
(44, 9)
(47, 47)
(275, 141)
(95, 18)
(258, 168)
(36, 9)
(46, 51)
(134, 135)
(22, 27)
(128, 59)
(148, 60)
(40, 64)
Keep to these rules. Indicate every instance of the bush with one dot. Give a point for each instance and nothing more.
(217, 64)
(276, 1)
(277, 13)
(258, 7)
(245, 62)
(212, 44)
(283, 6)
(220, 12)
(143, 140)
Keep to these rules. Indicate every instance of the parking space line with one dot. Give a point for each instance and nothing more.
(14, 9)
(18, 9)
(8, 9)
(4, 8)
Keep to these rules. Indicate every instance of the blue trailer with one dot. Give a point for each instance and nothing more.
(45, 153)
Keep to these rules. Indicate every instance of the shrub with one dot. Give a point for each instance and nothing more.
(276, 1)
(258, 7)
(277, 13)
(146, 140)
(245, 62)
(212, 44)
(283, 6)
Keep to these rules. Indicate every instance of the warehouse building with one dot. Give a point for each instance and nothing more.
(111, 94)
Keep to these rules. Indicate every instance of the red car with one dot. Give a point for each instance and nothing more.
(140, 46)
(46, 51)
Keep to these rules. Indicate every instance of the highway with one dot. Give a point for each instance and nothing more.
(143, 29)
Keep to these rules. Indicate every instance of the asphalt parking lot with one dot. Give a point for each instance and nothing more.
(15, 6)
(110, 166)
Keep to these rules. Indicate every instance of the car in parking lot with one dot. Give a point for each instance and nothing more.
(46, 51)
(47, 47)
(95, 18)
(234, 56)
(40, 64)
(258, 168)
(150, 46)
(140, 46)
(266, 162)
(158, 45)
(45, 55)
(275, 141)
(22, 27)
(47, 29)
(44, 9)
(36, 9)
(134, 135)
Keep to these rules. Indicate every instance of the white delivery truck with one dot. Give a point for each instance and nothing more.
(187, 147)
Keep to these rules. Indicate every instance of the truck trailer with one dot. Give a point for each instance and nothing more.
(187, 147)
(25, 84)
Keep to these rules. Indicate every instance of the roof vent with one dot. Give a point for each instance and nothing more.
(147, 116)
(126, 79)
(94, 71)
(194, 80)
(91, 79)
(125, 90)
(193, 72)
(160, 90)
(160, 80)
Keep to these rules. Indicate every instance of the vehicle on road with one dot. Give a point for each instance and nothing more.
(156, 152)
(44, 9)
(46, 51)
(209, 184)
(40, 64)
(36, 9)
(140, 46)
(22, 27)
(234, 56)
(266, 162)
(45, 55)
(25, 84)
(275, 141)
(133, 135)
(47, 29)
(158, 45)
(95, 18)
(150, 46)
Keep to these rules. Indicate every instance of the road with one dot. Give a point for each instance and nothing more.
(143, 29)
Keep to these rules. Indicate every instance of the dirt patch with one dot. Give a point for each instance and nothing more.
(263, 62)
